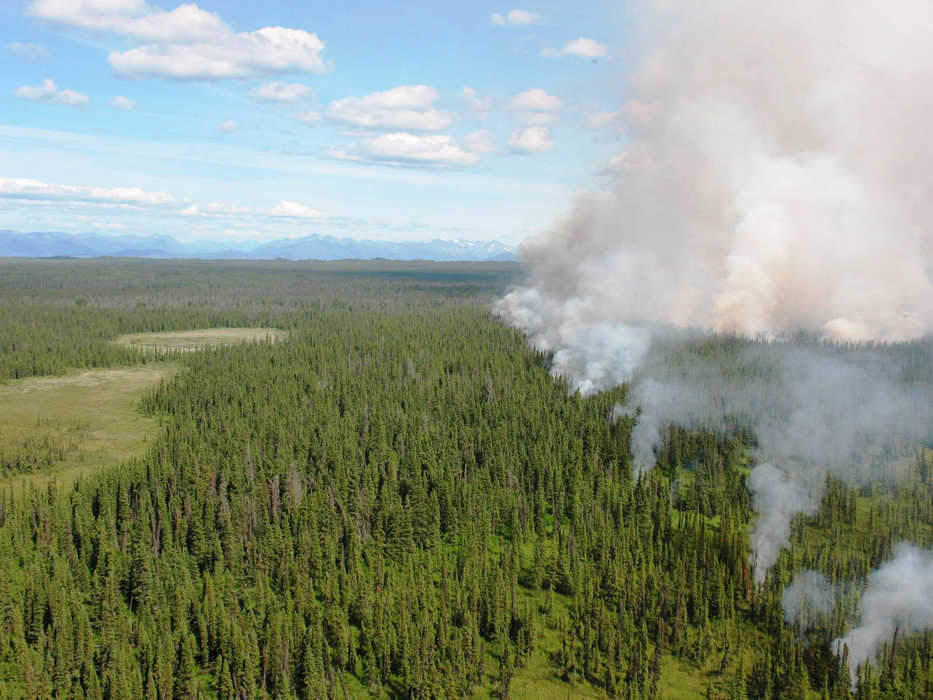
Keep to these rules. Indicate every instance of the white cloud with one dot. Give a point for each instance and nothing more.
(295, 210)
(18, 188)
(515, 18)
(584, 48)
(310, 118)
(480, 105)
(48, 91)
(124, 103)
(220, 209)
(228, 126)
(278, 91)
(407, 149)
(135, 19)
(406, 107)
(186, 43)
(33, 53)
(262, 52)
(534, 139)
(535, 108)
(479, 142)
(535, 100)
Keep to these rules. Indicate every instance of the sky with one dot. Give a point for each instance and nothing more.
(241, 121)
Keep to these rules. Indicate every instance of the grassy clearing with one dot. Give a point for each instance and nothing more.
(201, 339)
(90, 418)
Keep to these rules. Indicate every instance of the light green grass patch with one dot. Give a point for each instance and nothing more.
(201, 339)
(91, 417)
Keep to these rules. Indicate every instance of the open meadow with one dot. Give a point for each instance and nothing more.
(199, 339)
(58, 429)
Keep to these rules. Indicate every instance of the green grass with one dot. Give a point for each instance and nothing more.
(189, 341)
(92, 414)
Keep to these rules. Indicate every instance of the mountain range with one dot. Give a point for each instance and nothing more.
(312, 247)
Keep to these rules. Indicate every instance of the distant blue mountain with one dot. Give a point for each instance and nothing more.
(313, 247)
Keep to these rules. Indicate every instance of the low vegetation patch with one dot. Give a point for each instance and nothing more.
(59, 428)
(201, 339)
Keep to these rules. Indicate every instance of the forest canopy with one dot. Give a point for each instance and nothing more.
(399, 500)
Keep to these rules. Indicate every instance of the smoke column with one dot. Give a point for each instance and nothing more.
(777, 176)
(776, 179)
(899, 597)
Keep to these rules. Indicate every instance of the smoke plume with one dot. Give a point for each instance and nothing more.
(899, 597)
(776, 177)
(775, 181)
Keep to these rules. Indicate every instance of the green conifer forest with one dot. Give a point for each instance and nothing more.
(398, 500)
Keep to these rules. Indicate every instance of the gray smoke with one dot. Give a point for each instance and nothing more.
(808, 598)
(899, 597)
(817, 410)
(775, 180)
(778, 498)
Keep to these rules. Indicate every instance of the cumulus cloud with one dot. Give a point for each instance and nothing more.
(533, 139)
(408, 107)
(278, 91)
(124, 103)
(262, 52)
(186, 43)
(228, 126)
(402, 148)
(581, 47)
(135, 19)
(295, 210)
(535, 100)
(33, 53)
(515, 18)
(48, 91)
(19, 188)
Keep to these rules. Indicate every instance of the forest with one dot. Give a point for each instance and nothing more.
(398, 500)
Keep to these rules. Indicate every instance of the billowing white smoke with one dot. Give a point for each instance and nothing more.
(778, 499)
(776, 178)
(899, 597)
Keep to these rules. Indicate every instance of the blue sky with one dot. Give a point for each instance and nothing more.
(251, 121)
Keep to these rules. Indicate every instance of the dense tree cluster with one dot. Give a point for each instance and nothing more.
(400, 501)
